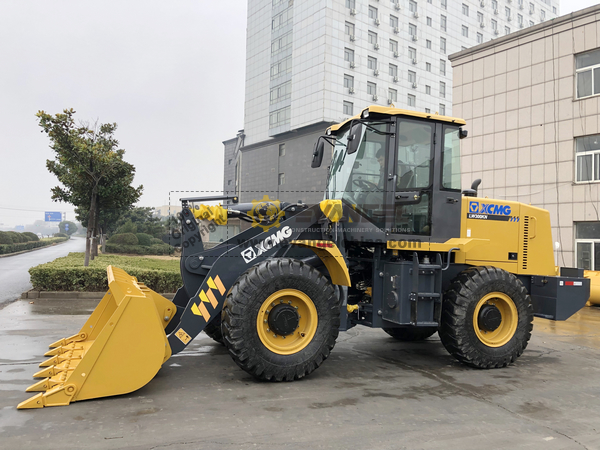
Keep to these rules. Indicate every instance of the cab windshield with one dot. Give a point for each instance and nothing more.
(358, 179)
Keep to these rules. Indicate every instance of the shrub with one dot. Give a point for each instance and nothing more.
(32, 237)
(68, 274)
(154, 249)
(5, 249)
(5, 238)
(63, 235)
(17, 237)
(127, 227)
(124, 239)
(156, 241)
(144, 239)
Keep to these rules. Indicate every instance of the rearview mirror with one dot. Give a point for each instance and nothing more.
(354, 137)
(318, 153)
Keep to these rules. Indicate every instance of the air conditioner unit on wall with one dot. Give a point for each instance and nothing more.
(482, 25)
(414, 37)
(397, 6)
(496, 11)
(352, 64)
(496, 32)
(375, 97)
(396, 30)
(391, 101)
(352, 37)
(395, 79)
(377, 22)
(376, 72)
(396, 54)
(414, 61)
(353, 12)
(416, 15)
(376, 46)
(351, 90)
(482, 3)
(414, 85)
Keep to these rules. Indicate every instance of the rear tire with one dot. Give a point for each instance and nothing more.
(213, 329)
(410, 334)
(479, 341)
(309, 318)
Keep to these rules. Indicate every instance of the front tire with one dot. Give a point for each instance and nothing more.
(281, 320)
(213, 329)
(487, 318)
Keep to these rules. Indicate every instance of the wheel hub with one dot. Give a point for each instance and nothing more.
(283, 319)
(489, 318)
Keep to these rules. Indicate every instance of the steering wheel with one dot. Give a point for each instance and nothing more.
(366, 185)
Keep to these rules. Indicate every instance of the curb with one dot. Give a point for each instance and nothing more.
(65, 295)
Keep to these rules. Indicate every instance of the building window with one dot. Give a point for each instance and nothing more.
(465, 31)
(442, 89)
(480, 17)
(495, 6)
(444, 4)
(442, 109)
(348, 55)
(428, 67)
(229, 163)
(428, 43)
(412, 30)
(520, 3)
(393, 22)
(506, 30)
(281, 20)
(587, 243)
(412, 6)
(393, 70)
(279, 117)
(531, 8)
(587, 67)
(427, 110)
(281, 67)
(465, 9)
(281, 180)
(411, 100)
(428, 90)
(520, 20)
(393, 95)
(494, 25)
(429, 22)
(351, 4)
(542, 15)
(372, 63)
(348, 108)
(228, 182)
(443, 66)
(372, 12)
(442, 45)
(479, 38)
(412, 54)
(587, 152)
(281, 92)
(282, 149)
(281, 44)
(531, 23)
(412, 77)
(443, 22)
(371, 88)
(349, 28)
(394, 46)
(507, 12)
(348, 81)
(372, 37)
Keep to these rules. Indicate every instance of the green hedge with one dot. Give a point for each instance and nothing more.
(68, 274)
(154, 249)
(63, 235)
(144, 239)
(124, 239)
(31, 236)
(5, 249)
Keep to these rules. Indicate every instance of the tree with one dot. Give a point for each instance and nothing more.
(87, 165)
(144, 220)
(67, 227)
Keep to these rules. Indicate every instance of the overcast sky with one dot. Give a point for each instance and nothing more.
(170, 74)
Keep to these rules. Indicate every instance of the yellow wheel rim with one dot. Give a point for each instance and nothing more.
(307, 322)
(508, 324)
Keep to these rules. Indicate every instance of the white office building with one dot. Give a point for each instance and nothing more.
(311, 63)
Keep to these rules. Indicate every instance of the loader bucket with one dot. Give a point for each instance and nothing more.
(119, 349)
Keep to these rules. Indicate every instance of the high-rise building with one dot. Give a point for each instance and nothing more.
(311, 63)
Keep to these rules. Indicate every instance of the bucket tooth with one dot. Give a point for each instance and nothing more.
(55, 351)
(42, 385)
(51, 362)
(47, 372)
(64, 341)
(57, 396)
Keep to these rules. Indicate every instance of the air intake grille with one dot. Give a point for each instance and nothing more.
(525, 241)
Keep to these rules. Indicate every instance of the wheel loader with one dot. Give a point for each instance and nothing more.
(395, 244)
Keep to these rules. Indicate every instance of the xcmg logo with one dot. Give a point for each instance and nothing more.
(489, 208)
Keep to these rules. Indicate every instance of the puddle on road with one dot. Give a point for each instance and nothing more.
(583, 328)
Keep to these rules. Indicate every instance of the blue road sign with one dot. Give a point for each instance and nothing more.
(20, 228)
(66, 227)
(53, 216)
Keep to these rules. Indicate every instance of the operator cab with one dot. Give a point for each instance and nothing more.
(400, 170)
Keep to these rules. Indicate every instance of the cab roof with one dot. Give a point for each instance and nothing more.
(399, 112)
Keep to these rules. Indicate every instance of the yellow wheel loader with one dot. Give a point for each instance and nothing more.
(395, 245)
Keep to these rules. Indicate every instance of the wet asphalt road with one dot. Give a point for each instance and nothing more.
(372, 393)
(14, 278)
